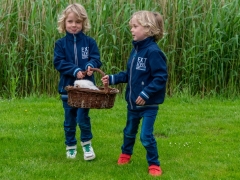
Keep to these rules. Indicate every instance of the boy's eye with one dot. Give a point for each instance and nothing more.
(133, 26)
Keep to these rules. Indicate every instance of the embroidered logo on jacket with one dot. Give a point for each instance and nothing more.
(85, 52)
(141, 63)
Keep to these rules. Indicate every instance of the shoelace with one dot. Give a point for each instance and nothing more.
(87, 147)
(71, 151)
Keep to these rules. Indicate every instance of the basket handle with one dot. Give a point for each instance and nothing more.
(106, 89)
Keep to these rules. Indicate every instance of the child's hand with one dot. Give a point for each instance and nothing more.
(105, 80)
(89, 72)
(140, 101)
(80, 75)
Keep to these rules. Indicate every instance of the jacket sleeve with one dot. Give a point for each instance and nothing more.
(61, 64)
(159, 73)
(94, 55)
(121, 77)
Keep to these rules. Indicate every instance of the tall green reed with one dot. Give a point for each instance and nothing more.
(201, 43)
(200, 50)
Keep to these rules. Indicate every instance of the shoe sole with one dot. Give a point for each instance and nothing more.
(89, 158)
(71, 157)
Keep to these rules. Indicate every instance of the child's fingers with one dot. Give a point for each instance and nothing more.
(104, 79)
(80, 75)
(140, 101)
(89, 72)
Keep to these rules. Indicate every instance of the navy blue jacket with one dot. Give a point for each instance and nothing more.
(146, 74)
(74, 53)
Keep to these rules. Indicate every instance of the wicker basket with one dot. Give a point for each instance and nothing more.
(93, 99)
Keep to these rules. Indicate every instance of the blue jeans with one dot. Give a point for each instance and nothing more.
(74, 116)
(148, 117)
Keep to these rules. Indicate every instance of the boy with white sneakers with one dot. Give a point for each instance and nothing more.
(74, 53)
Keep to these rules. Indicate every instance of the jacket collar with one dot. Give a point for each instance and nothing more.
(143, 44)
(71, 36)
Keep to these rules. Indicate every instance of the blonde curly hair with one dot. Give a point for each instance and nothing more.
(152, 21)
(80, 12)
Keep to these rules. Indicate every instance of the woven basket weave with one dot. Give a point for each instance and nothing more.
(93, 99)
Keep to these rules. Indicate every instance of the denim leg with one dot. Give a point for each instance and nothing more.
(130, 131)
(147, 138)
(84, 124)
(70, 115)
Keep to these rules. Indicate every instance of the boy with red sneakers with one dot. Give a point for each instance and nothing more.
(146, 78)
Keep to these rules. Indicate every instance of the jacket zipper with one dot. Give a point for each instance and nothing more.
(130, 80)
(75, 50)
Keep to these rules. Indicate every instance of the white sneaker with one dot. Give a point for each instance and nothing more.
(88, 151)
(71, 152)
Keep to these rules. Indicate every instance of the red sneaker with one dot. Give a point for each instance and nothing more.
(155, 170)
(124, 159)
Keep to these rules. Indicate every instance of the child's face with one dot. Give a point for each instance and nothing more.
(138, 31)
(73, 24)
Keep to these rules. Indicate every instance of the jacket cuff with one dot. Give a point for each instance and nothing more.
(88, 64)
(76, 71)
(144, 95)
(111, 79)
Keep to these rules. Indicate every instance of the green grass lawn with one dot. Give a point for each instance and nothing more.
(197, 139)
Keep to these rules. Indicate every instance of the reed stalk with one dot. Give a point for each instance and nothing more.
(201, 43)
